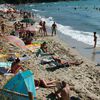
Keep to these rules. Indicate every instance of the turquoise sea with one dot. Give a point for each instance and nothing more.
(78, 19)
(75, 19)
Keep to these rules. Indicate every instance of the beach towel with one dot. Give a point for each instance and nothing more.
(24, 58)
(4, 70)
(5, 64)
(3, 56)
(33, 47)
(46, 61)
(53, 63)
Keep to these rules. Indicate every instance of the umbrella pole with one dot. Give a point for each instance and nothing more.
(26, 24)
(30, 96)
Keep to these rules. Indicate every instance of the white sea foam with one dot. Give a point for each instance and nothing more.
(3, 7)
(32, 5)
(82, 36)
(35, 10)
(43, 3)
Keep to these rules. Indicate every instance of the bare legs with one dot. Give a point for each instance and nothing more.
(49, 84)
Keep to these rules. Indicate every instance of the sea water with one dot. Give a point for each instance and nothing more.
(76, 19)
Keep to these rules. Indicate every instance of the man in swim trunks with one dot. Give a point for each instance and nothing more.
(54, 26)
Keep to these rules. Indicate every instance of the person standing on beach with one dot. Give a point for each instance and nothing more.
(2, 28)
(95, 39)
(54, 26)
(40, 29)
(44, 28)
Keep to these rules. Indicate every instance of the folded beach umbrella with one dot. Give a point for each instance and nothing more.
(19, 86)
(16, 41)
(27, 20)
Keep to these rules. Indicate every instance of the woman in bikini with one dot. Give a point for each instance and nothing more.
(45, 84)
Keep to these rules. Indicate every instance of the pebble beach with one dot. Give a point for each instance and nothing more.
(85, 78)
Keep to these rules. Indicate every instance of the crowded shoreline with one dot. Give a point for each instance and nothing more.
(84, 77)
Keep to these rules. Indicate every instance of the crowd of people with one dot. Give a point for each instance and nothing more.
(43, 30)
(63, 91)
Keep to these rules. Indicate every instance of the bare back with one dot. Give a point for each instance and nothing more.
(65, 93)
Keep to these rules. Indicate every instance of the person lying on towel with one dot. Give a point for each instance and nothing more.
(45, 84)
(57, 62)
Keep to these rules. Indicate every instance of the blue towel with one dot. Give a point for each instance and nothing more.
(5, 64)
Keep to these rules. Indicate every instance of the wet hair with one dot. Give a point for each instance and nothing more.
(94, 32)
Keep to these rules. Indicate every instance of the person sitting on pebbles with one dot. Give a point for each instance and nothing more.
(63, 93)
(42, 51)
(15, 67)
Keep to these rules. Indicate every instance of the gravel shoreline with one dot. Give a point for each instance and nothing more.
(84, 77)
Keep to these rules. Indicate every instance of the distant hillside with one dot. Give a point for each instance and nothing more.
(30, 1)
